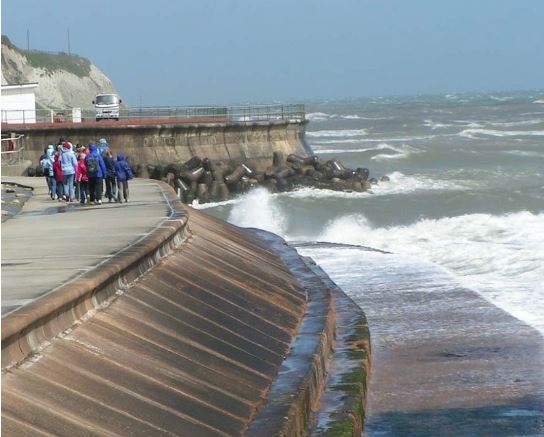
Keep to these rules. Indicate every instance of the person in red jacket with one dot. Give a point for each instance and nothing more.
(82, 179)
(59, 177)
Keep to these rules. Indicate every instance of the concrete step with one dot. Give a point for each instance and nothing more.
(341, 409)
(15, 168)
(320, 389)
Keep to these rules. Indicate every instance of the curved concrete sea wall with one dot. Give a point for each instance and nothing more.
(201, 329)
(164, 143)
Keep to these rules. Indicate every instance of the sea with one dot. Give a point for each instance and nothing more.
(465, 193)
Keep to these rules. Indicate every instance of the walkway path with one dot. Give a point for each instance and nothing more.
(51, 243)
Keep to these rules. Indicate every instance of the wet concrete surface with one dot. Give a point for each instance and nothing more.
(445, 362)
(50, 243)
(190, 349)
(13, 198)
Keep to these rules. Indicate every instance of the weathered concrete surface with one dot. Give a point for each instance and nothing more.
(295, 393)
(14, 196)
(190, 349)
(341, 410)
(17, 169)
(38, 318)
(169, 142)
(197, 343)
(50, 243)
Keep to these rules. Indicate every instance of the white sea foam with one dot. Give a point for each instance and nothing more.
(399, 183)
(501, 99)
(317, 116)
(434, 125)
(474, 124)
(340, 151)
(501, 257)
(377, 147)
(336, 141)
(525, 153)
(337, 133)
(470, 123)
(258, 209)
(401, 152)
(475, 133)
(539, 101)
(332, 140)
(322, 116)
(517, 123)
(208, 205)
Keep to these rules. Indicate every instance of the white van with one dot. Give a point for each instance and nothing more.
(107, 106)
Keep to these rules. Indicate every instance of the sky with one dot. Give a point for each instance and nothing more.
(201, 52)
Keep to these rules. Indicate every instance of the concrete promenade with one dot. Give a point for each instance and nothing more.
(50, 243)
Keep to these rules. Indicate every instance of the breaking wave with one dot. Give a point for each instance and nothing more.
(476, 133)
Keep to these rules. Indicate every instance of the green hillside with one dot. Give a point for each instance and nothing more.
(53, 61)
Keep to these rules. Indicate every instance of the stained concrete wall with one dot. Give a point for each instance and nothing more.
(189, 350)
(177, 142)
(199, 329)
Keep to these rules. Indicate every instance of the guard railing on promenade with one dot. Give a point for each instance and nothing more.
(11, 152)
(229, 114)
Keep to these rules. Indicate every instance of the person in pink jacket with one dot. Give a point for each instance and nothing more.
(82, 179)
(59, 177)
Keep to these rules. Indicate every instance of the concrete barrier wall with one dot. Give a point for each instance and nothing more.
(170, 142)
(189, 349)
(231, 334)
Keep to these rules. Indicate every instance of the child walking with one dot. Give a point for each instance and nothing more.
(82, 179)
(123, 174)
(111, 186)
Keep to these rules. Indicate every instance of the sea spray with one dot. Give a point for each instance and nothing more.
(501, 257)
(258, 209)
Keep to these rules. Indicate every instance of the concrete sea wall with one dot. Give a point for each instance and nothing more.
(164, 143)
(201, 329)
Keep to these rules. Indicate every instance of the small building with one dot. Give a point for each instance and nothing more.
(19, 103)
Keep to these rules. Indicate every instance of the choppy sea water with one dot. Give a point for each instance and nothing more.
(466, 191)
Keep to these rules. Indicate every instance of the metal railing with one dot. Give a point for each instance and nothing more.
(10, 152)
(230, 114)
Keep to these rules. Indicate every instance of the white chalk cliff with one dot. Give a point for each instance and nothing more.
(64, 81)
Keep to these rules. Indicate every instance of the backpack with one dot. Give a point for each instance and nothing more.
(92, 166)
(45, 165)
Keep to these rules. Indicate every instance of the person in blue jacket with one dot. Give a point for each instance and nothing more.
(96, 171)
(123, 174)
(68, 162)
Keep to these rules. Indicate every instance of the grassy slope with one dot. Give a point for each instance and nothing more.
(51, 62)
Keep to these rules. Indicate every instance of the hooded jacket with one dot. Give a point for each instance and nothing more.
(57, 167)
(68, 161)
(102, 145)
(48, 161)
(122, 169)
(81, 175)
(93, 153)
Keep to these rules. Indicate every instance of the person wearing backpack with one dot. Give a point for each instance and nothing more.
(96, 171)
(111, 186)
(123, 174)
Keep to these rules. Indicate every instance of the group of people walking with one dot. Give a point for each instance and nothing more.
(78, 174)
